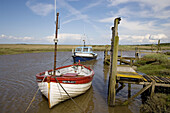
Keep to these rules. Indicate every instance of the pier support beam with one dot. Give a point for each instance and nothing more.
(113, 63)
(141, 91)
(121, 57)
(153, 88)
(129, 90)
(106, 54)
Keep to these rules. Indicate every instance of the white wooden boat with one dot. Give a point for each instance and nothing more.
(64, 82)
(76, 79)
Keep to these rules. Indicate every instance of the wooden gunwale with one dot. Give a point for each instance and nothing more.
(67, 80)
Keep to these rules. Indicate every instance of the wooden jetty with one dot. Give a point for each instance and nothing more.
(126, 74)
(128, 60)
(131, 77)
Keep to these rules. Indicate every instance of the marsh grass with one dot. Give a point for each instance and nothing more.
(32, 48)
(154, 64)
(159, 103)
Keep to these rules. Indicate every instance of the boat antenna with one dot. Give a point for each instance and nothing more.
(84, 43)
(55, 41)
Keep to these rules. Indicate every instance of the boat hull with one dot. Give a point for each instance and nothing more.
(69, 81)
(81, 58)
(84, 53)
(55, 93)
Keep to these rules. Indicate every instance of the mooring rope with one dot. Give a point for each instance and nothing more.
(69, 96)
(34, 96)
(65, 61)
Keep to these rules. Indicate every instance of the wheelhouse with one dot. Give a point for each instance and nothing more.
(83, 50)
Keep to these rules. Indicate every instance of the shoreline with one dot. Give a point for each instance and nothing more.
(7, 49)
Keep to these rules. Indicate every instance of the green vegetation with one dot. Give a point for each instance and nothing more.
(30, 48)
(154, 64)
(159, 103)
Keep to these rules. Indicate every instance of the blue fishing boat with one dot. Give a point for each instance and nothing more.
(83, 53)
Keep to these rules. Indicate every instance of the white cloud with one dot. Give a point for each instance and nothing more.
(138, 25)
(40, 8)
(77, 14)
(131, 25)
(15, 38)
(91, 5)
(107, 20)
(148, 8)
(66, 38)
(142, 39)
(156, 5)
(166, 25)
(71, 10)
(158, 37)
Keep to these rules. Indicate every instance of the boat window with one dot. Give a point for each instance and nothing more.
(78, 49)
(85, 50)
(90, 50)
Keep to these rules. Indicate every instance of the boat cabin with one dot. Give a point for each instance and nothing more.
(83, 50)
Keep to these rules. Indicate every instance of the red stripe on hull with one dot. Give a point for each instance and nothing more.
(67, 80)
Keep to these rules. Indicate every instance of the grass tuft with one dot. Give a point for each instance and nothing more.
(154, 64)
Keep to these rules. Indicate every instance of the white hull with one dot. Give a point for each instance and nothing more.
(85, 55)
(56, 94)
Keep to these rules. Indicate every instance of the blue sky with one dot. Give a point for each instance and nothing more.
(33, 21)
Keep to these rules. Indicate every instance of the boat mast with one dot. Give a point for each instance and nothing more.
(55, 41)
(84, 43)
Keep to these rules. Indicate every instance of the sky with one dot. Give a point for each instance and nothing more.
(33, 21)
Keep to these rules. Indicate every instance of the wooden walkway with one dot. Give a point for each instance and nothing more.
(126, 74)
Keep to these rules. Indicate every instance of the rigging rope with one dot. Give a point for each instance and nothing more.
(34, 96)
(69, 95)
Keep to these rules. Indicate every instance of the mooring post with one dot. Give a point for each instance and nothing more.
(153, 88)
(121, 57)
(105, 54)
(131, 63)
(113, 63)
(129, 90)
(158, 48)
(136, 53)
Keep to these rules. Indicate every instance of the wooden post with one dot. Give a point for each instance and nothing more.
(139, 55)
(131, 63)
(113, 63)
(129, 90)
(159, 48)
(121, 57)
(141, 91)
(105, 54)
(120, 88)
(153, 88)
(136, 53)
